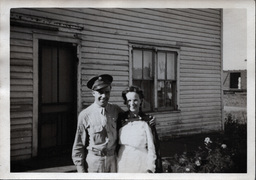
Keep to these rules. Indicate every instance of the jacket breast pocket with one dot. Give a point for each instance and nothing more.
(99, 135)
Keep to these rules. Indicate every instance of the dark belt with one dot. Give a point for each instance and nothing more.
(103, 152)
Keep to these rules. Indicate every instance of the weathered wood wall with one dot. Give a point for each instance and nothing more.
(105, 35)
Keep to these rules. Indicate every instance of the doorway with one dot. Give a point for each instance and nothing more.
(57, 109)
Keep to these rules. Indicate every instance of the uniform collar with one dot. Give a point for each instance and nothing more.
(102, 110)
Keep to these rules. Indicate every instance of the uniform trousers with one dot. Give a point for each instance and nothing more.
(101, 164)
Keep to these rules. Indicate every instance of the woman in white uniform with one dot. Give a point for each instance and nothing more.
(137, 151)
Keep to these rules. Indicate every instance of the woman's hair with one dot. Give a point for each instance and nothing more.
(132, 89)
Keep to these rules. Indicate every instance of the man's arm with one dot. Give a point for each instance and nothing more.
(79, 148)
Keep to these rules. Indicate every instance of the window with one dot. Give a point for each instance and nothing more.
(235, 80)
(155, 72)
(143, 75)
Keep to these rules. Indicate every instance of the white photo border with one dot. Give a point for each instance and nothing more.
(6, 5)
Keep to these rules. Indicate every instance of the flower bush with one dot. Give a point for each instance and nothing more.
(224, 155)
(209, 158)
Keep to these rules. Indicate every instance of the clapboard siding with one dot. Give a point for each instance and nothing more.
(105, 35)
(199, 71)
(21, 74)
(127, 20)
(22, 121)
(199, 66)
(21, 127)
(106, 62)
(199, 58)
(128, 14)
(193, 92)
(20, 43)
(19, 140)
(205, 55)
(202, 50)
(194, 14)
(106, 57)
(194, 75)
(22, 114)
(134, 36)
(200, 83)
(143, 16)
(105, 51)
(200, 100)
(177, 17)
(201, 79)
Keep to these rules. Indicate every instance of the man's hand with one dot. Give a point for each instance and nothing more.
(80, 169)
(152, 121)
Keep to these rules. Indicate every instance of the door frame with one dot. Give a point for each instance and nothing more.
(36, 38)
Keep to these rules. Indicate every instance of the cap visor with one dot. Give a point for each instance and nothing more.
(101, 86)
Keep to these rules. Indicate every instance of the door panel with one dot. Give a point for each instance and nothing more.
(48, 74)
(57, 97)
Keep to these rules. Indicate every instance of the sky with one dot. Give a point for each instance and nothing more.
(234, 39)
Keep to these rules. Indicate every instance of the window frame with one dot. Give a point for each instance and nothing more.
(156, 49)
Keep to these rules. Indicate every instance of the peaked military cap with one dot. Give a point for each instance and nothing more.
(99, 82)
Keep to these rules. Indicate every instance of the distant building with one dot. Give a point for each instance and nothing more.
(234, 81)
(235, 94)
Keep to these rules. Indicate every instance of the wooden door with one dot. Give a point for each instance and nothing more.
(57, 97)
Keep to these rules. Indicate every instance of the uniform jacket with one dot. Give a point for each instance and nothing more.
(96, 128)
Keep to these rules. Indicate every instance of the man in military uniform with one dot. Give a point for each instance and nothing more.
(97, 126)
(96, 137)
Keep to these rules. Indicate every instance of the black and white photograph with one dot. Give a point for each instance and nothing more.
(122, 91)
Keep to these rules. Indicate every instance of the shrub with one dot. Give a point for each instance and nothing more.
(225, 155)
(209, 158)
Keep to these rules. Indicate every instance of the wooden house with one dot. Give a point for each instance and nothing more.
(174, 55)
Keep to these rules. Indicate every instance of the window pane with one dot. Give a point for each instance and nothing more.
(160, 94)
(137, 64)
(165, 94)
(147, 66)
(161, 65)
(171, 66)
(169, 94)
(147, 88)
